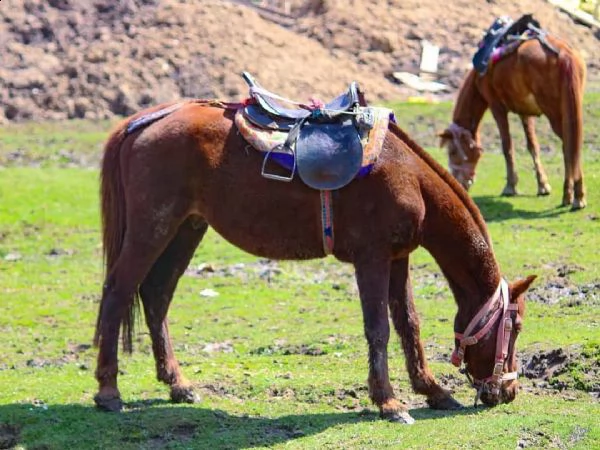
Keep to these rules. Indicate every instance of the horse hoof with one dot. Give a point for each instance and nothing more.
(398, 417)
(110, 404)
(445, 403)
(544, 190)
(509, 191)
(186, 394)
(567, 201)
(578, 204)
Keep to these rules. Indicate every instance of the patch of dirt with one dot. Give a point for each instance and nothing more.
(560, 289)
(283, 393)
(217, 389)
(453, 382)
(556, 369)
(9, 435)
(72, 59)
(265, 269)
(181, 434)
(280, 349)
(282, 432)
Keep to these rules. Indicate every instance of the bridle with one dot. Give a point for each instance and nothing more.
(503, 312)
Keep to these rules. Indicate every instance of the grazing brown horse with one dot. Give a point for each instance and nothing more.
(165, 183)
(531, 81)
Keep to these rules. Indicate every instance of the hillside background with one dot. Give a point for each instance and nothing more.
(96, 59)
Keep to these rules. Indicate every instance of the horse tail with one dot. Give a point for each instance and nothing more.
(114, 223)
(572, 72)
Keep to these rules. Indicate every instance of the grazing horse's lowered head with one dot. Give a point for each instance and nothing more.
(487, 345)
(464, 153)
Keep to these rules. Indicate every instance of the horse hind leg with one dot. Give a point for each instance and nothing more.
(406, 323)
(156, 293)
(500, 114)
(573, 80)
(534, 150)
(144, 241)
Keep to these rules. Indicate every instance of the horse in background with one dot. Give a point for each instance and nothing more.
(531, 81)
(165, 179)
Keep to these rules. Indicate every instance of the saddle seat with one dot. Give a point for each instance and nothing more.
(504, 36)
(268, 112)
(323, 141)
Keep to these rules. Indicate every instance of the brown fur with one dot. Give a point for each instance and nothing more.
(163, 185)
(532, 81)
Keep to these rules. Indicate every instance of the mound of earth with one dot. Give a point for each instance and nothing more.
(557, 369)
(99, 58)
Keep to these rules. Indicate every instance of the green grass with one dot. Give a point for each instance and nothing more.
(263, 389)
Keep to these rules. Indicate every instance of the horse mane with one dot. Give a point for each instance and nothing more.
(449, 179)
(468, 84)
(470, 104)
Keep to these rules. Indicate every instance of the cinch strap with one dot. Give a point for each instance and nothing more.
(327, 221)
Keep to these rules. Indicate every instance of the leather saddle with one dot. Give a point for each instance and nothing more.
(503, 31)
(324, 140)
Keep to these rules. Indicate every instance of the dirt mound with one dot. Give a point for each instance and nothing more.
(557, 369)
(99, 58)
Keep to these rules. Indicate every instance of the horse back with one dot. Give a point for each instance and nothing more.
(529, 81)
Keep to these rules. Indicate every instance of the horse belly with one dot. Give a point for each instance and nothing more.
(271, 229)
(527, 106)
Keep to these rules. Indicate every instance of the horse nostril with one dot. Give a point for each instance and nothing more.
(509, 394)
(490, 400)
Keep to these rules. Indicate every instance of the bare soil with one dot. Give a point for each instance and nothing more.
(560, 370)
(100, 58)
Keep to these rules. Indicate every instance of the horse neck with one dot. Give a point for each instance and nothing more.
(456, 236)
(470, 105)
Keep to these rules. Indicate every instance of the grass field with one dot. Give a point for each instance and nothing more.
(279, 356)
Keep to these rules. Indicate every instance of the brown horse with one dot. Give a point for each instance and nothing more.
(531, 81)
(164, 184)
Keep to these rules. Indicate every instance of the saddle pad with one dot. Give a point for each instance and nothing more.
(265, 140)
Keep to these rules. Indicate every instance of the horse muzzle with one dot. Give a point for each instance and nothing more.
(506, 394)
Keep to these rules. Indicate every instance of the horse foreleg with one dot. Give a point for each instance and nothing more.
(372, 276)
(157, 292)
(500, 114)
(534, 150)
(406, 323)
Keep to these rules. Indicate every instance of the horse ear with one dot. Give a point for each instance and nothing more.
(520, 286)
(444, 136)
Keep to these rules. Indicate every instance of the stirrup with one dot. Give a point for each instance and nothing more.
(273, 176)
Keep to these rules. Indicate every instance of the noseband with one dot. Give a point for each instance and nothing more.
(503, 312)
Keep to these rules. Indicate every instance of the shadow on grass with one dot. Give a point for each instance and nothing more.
(159, 424)
(497, 208)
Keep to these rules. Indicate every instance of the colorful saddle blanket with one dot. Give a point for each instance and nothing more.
(327, 156)
(504, 36)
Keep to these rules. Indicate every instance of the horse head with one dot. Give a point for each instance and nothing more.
(463, 153)
(488, 344)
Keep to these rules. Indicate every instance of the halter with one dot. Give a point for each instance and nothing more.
(466, 167)
(456, 131)
(500, 301)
